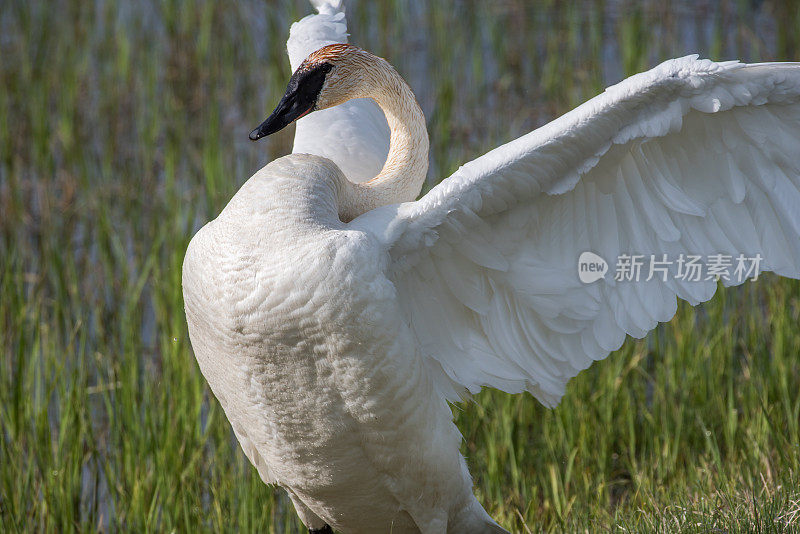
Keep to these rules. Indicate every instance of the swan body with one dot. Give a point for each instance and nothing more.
(336, 405)
(334, 318)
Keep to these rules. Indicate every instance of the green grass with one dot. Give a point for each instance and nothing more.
(123, 128)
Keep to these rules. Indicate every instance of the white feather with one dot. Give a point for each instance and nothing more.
(672, 176)
(354, 135)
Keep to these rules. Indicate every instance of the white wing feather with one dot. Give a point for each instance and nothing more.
(692, 157)
(355, 135)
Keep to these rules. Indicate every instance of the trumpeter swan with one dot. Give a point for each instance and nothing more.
(334, 320)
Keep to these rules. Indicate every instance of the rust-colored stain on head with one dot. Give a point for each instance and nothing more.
(330, 52)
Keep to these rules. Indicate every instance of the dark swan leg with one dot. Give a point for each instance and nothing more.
(324, 530)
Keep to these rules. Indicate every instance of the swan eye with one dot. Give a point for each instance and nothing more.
(300, 99)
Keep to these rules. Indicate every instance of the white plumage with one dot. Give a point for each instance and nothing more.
(691, 157)
(333, 347)
(355, 134)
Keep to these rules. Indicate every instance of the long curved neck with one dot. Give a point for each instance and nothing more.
(406, 165)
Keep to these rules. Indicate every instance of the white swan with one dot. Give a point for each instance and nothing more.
(333, 346)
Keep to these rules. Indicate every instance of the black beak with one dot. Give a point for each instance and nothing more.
(300, 99)
(289, 109)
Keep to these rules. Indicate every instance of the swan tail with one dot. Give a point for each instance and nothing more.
(311, 33)
(475, 519)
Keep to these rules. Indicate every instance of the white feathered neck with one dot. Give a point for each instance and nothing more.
(359, 74)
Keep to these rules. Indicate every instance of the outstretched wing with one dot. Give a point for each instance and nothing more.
(355, 135)
(693, 157)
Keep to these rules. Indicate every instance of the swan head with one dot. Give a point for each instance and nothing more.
(328, 77)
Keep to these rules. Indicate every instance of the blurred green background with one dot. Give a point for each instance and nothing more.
(123, 129)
